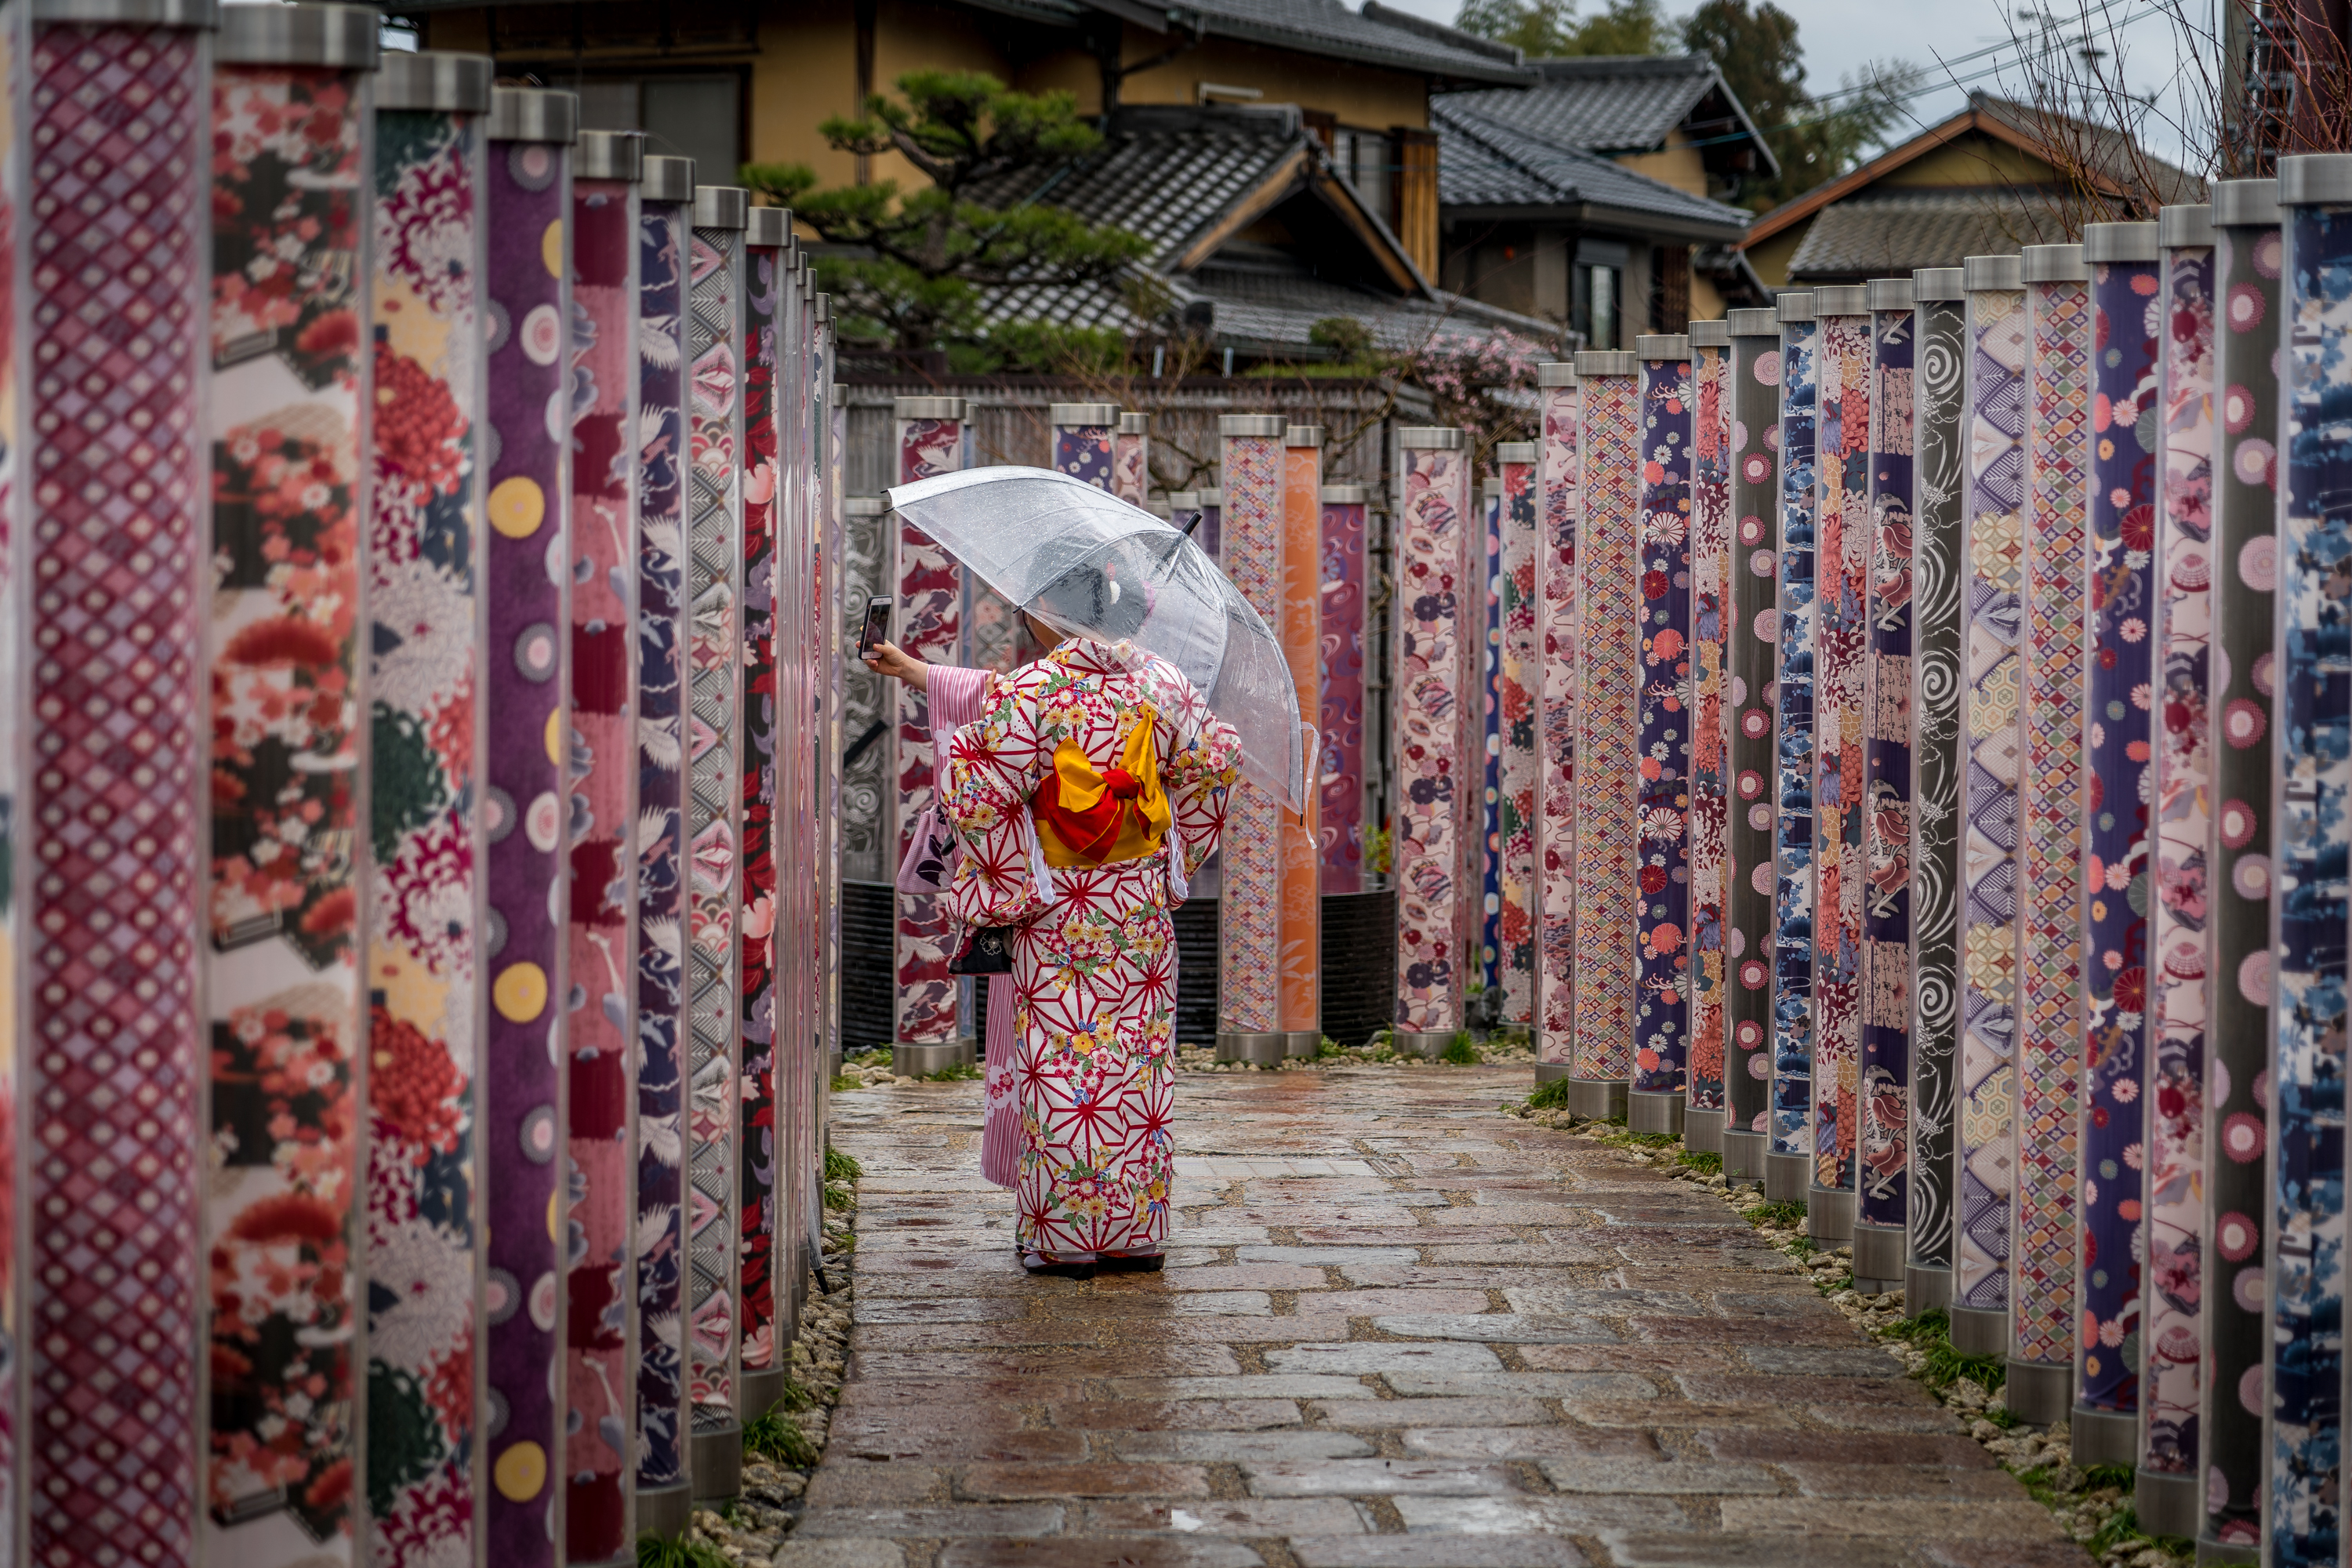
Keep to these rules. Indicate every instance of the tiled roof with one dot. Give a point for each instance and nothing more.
(1486, 161)
(1328, 28)
(1607, 103)
(1889, 233)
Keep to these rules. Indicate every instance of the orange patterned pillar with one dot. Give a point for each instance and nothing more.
(1299, 990)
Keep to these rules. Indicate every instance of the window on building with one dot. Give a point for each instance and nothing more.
(1592, 306)
(697, 117)
(1361, 158)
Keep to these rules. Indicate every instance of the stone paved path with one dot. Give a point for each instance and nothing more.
(1396, 1331)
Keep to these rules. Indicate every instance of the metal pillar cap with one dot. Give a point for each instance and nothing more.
(2186, 227)
(1715, 334)
(1211, 497)
(2246, 204)
(864, 506)
(1794, 307)
(2315, 179)
(1428, 438)
(1982, 272)
(533, 114)
(770, 227)
(431, 80)
(661, 179)
(610, 155)
(1344, 495)
(1842, 300)
(1663, 346)
(721, 206)
(1190, 501)
(2108, 243)
(1138, 425)
(1490, 488)
(1294, 435)
(1754, 323)
(2055, 264)
(129, 13)
(1944, 283)
(1607, 362)
(1891, 294)
(1516, 451)
(331, 35)
(923, 408)
(1263, 425)
(1556, 373)
(1081, 413)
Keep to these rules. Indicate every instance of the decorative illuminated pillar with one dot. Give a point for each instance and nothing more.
(665, 218)
(1435, 808)
(1663, 763)
(1211, 534)
(1751, 663)
(16, 724)
(1883, 1098)
(1249, 906)
(1559, 510)
(930, 615)
(1130, 461)
(2242, 669)
(770, 312)
(1710, 547)
(1991, 426)
(1339, 783)
(1487, 840)
(1939, 431)
(285, 413)
(2169, 1491)
(1608, 735)
(2311, 800)
(2058, 441)
(527, 727)
(1514, 702)
(106, 618)
(1840, 683)
(2118, 675)
(1083, 437)
(715, 590)
(1788, 1161)
(1299, 1005)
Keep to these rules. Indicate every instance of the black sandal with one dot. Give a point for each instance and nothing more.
(1134, 1262)
(1037, 1265)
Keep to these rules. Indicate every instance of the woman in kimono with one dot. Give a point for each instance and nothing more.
(1090, 787)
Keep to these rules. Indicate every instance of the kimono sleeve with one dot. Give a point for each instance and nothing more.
(1199, 776)
(994, 766)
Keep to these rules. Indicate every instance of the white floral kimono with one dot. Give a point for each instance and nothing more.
(1094, 961)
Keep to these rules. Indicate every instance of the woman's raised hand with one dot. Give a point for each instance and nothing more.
(888, 658)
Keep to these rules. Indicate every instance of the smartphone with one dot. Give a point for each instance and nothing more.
(876, 629)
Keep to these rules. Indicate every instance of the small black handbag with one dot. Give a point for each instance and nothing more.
(990, 951)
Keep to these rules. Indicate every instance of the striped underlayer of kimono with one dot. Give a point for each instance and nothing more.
(1093, 989)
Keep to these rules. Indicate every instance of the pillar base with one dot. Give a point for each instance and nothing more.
(1263, 1046)
(1787, 1178)
(1829, 1217)
(757, 1393)
(664, 1511)
(1743, 1157)
(2103, 1436)
(1429, 1044)
(910, 1060)
(1702, 1130)
(1655, 1112)
(2215, 1551)
(1302, 1042)
(1548, 1071)
(1979, 1330)
(1925, 1285)
(715, 1458)
(2041, 1392)
(1878, 1256)
(1598, 1099)
(2168, 1505)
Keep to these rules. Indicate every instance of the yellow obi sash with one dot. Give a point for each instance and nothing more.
(1087, 818)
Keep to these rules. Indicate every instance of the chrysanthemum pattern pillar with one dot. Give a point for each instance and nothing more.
(1515, 700)
(1608, 718)
(1560, 508)
(1788, 1162)
(1710, 547)
(1435, 805)
(1339, 773)
(1249, 908)
(1939, 572)
(1992, 603)
(2049, 820)
(2238, 881)
(1883, 1100)
(1082, 436)
(1661, 1004)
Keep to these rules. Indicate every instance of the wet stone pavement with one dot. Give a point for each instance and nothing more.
(1396, 1330)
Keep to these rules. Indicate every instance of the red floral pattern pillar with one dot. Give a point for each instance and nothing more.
(1300, 1005)
(1436, 803)
(930, 622)
(1514, 694)
(1249, 907)
(1558, 509)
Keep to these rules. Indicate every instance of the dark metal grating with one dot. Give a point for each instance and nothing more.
(868, 964)
(1358, 966)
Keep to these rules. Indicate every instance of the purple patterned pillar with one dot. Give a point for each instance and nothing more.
(1339, 774)
(109, 673)
(2169, 1492)
(1788, 1164)
(1514, 702)
(526, 724)
(1663, 641)
(1608, 734)
(1249, 908)
(1710, 530)
(665, 218)
(1082, 435)
(2119, 671)
(929, 613)
(1559, 510)
(1131, 459)
(2048, 938)
(1486, 841)
(1433, 765)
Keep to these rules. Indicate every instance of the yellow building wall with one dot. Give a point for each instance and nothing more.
(1707, 304)
(1771, 256)
(1677, 163)
(806, 69)
(1972, 160)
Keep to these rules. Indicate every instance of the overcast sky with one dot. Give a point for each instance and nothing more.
(1842, 37)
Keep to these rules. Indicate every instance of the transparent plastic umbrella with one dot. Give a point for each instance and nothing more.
(1084, 562)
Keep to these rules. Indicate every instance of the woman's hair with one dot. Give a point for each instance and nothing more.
(1092, 596)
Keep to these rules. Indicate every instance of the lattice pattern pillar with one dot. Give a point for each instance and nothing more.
(1751, 660)
(1339, 782)
(2238, 873)
(2118, 672)
(1435, 806)
(1608, 719)
(1249, 907)
(1560, 508)
(1662, 644)
(1711, 560)
(1882, 1101)
(1939, 572)
(1515, 689)
(2058, 481)
(1300, 1006)
(1788, 1161)
(2170, 1490)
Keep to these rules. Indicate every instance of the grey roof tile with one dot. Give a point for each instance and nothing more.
(1610, 103)
(1889, 233)
(1486, 161)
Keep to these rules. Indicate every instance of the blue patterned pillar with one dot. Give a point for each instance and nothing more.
(1788, 1164)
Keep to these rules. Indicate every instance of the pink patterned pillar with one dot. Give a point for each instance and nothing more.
(1339, 784)
(1131, 459)
(1710, 546)
(1559, 507)
(930, 626)
(1300, 1005)
(116, 238)
(1515, 693)
(1435, 766)
(1608, 606)
(1249, 905)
